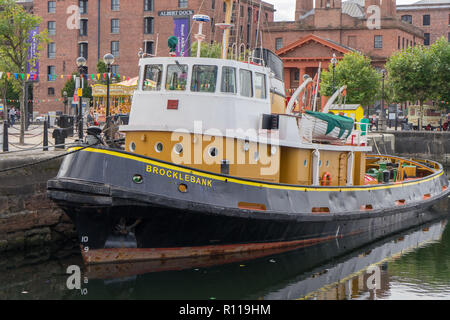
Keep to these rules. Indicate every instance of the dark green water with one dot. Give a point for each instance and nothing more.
(414, 264)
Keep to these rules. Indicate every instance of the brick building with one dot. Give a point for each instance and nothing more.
(122, 28)
(432, 16)
(339, 26)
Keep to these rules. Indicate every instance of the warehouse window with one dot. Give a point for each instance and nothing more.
(378, 42)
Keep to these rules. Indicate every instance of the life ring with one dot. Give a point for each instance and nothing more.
(326, 179)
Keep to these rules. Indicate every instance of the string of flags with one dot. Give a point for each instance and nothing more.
(33, 101)
(54, 77)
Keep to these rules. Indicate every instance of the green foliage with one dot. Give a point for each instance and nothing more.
(411, 74)
(207, 50)
(441, 53)
(69, 87)
(354, 70)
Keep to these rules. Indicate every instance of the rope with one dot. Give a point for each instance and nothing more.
(47, 160)
(38, 148)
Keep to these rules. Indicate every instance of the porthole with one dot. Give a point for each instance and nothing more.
(178, 148)
(305, 163)
(213, 152)
(132, 146)
(137, 178)
(182, 188)
(159, 147)
(320, 163)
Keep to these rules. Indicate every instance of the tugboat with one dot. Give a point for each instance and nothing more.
(215, 162)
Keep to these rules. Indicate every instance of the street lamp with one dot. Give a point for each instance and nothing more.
(81, 63)
(109, 60)
(65, 101)
(333, 62)
(382, 113)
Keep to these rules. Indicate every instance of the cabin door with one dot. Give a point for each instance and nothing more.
(342, 176)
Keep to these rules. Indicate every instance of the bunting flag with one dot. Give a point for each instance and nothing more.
(54, 77)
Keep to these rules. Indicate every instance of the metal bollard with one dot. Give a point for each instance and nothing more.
(5, 137)
(45, 142)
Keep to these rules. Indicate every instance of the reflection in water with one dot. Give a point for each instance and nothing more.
(414, 264)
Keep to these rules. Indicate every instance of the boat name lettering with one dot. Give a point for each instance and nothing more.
(179, 176)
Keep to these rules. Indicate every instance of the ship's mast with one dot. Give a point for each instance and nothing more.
(226, 35)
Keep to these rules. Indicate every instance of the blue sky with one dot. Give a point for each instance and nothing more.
(286, 8)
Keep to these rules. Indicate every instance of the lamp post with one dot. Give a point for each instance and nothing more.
(382, 113)
(65, 101)
(333, 62)
(81, 63)
(109, 60)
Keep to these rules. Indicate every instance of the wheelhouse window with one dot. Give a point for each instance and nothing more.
(204, 78)
(246, 83)
(176, 77)
(228, 80)
(152, 77)
(260, 86)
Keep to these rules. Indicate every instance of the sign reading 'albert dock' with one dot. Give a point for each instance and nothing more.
(173, 13)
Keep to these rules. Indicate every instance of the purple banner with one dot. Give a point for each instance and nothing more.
(181, 31)
(33, 63)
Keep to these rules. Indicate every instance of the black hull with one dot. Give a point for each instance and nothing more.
(118, 220)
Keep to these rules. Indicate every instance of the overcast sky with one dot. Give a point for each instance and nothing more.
(286, 8)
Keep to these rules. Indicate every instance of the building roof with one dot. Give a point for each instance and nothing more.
(312, 37)
(425, 4)
(354, 8)
(432, 2)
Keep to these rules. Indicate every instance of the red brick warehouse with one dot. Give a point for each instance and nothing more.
(326, 27)
(122, 28)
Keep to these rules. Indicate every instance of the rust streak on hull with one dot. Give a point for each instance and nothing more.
(99, 256)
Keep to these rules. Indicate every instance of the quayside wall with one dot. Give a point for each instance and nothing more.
(28, 219)
(433, 145)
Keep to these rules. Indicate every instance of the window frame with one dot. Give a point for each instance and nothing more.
(115, 5)
(148, 8)
(264, 91)
(51, 67)
(183, 4)
(118, 48)
(152, 19)
(426, 36)
(53, 32)
(160, 77)
(378, 44)
(80, 52)
(84, 22)
(115, 29)
(428, 20)
(194, 72)
(222, 84)
(166, 83)
(84, 7)
(51, 54)
(241, 87)
(51, 9)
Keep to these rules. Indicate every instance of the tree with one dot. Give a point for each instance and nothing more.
(15, 27)
(441, 53)
(412, 77)
(355, 71)
(207, 50)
